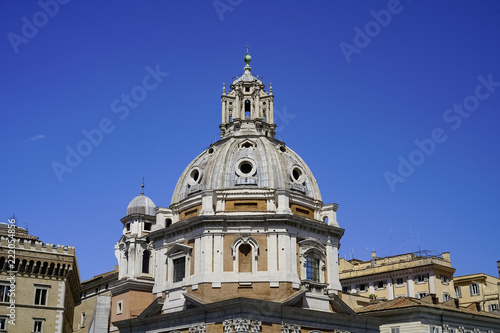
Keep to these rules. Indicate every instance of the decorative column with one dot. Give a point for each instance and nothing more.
(410, 286)
(390, 289)
(197, 255)
(272, 257)
(237, 107)
(371, 290)
(257, 106)
(332, 263)
(432, 283)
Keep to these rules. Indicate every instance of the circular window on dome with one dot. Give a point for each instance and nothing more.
(211, 150)
(245, 168)
(194, 176)
(297, 174)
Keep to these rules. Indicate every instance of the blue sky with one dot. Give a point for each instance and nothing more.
(393, 105)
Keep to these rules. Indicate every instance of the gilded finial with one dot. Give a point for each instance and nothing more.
(142, 186)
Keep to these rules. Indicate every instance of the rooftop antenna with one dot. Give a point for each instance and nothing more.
(412, 245)
(390, 239)
(418, 236)
(142, 186)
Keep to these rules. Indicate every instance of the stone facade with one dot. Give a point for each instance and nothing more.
(92, 312)
(412, 274)
(477, 291)
(43, 279)
(427, 315)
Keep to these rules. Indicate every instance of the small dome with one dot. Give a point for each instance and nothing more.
(141, 204)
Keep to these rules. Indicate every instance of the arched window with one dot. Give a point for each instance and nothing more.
(313, 261)
(247, 109)
(245, 250)
(145, 262)
(44, 267)
(244, 258)
(312, 266)
(37, 267)
(51, 268)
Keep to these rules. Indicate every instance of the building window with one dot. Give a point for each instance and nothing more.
(119, 307)
(41, 296)
(400, 282)
(38, 325)
(458, 292)
(82, 319)
(3, 324)
(179, 269)
(492, 307)
(421, 278)
(380, 285)
(128, 226)
(422, 294)
(395, 329)
(312, 267)
(147, 226)
(145, 261)
(4, 293)
(361, 287)
(446, 297)
(433, 329)
(247, 109)
(445, 279)
(346, 290)
(474, 289)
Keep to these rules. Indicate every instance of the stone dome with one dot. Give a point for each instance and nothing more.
(141, 204)
(242, 162)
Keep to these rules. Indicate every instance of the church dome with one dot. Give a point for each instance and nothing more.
(247, 162)
(247, 156)
(141, 204)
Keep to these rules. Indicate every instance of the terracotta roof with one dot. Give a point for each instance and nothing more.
(410, 302)
(100, 276)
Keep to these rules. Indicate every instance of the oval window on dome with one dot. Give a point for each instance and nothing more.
(245, 168)
(194, 176)
(297, 174)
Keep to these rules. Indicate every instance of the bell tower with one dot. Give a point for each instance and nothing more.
(247, 107)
